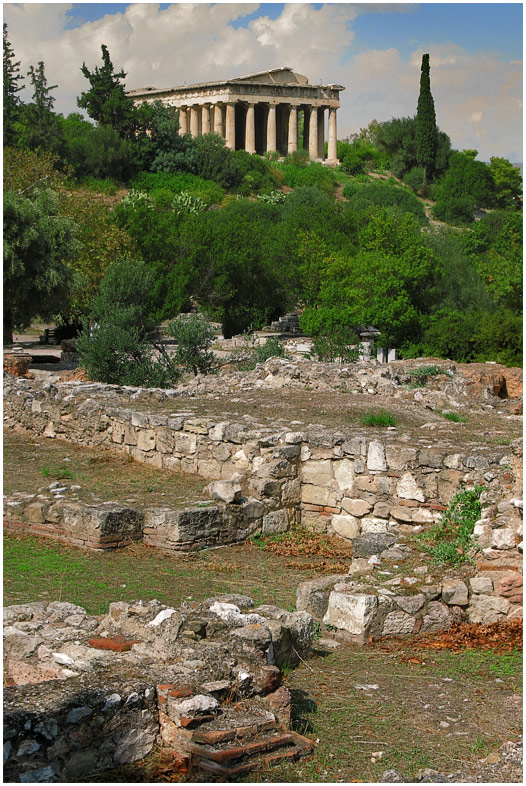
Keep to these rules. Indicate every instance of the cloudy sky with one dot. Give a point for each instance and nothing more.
(373, 49)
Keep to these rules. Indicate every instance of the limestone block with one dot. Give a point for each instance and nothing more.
(185, 443)
(503, 538)
(301, 626)
(402, 514)
(240, 459)
(295, 437)
(346, 526)
(398, 457)
(479, 463)
(344, 474)
(209, 469)
(130, 435)
(511, 587)
(319, 473)
(481, 585)
(228, 491)
(366, 483)
(359, 565)
(172, 463)
(355, 447)
(427, 457)
(313, 596)
(276, 521)
(164, 441)
(234, 432)
(353, 613)
(217, 432)
(356, 507)
(437, 617)
(35, 513)
(410, 603)
(454, 592)
(139, 419)
(290, 492)
(431, 486)
(305, 453)
(422, 516)
(454, 461)
(487, 608)
(381, 510)
(376, 461)
(221, 452)
(372, 543)
(407, 488)
(49, 430)
(318, 495)
(146, 440)
(398, 623)
(196, 426)
(117, 433)
(370, 524)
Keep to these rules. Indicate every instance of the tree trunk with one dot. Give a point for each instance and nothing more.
(8, 327)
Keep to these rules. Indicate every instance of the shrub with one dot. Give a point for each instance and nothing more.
(454, 417)
(187, 204)
(194, 336)
(455, 210)
(449, 541)
(353, 164)
(379, 419)
(246, 356)
(385, 195)
(274, 198)
(416, 178)
(338, 345)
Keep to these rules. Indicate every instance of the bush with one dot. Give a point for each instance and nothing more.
(455, 210)
(152, 183)
(312, 175)
(353, 164)
(449, 541)
(416, 179)
(194, 337)
(384, 195)
(250, 353)
(338, 345)
(187, 204)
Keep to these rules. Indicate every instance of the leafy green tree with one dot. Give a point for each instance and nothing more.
(42, 125)
(426, 141)
(115, 348)
(508, 182)
(106, 101)
(216, 162)
(12, 86)
(467, 182)
(501, 264)
(38, 245)
(194, 336)
(397, 138)
(97, 151)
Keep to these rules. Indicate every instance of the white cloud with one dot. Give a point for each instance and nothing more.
(477, 97)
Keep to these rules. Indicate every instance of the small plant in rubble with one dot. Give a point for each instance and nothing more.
(449, 541)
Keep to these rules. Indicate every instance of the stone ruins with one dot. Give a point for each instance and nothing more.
(258, 113)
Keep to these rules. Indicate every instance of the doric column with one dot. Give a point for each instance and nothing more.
(250, 130)
(321, 132)
(183, 120)
(205, 118)
(332, 152)
(293, 130)
(313, 133)
(271, 129)
(218, 119)
(194, 121)
(306, 117)
(230, 126)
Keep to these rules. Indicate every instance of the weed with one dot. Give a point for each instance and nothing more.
(45, 472)
(450, 539)
(454, 417)
(61, 473)
(421, 374)
(380, 419)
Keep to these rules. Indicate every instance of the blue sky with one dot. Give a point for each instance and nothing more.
(373, 49)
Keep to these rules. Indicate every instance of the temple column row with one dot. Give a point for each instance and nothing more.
(221, 118)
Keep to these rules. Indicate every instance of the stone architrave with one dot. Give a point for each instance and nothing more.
(274, 99)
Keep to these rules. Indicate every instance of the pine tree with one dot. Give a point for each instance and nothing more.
(12, 102)
(426, 136)
(42, 122)
(106, 101)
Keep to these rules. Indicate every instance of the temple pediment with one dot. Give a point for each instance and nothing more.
(276, 76)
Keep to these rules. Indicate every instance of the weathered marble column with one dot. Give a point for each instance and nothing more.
(194, 121)
(217, 109)
(321, 133)
(293, 130)
(250, 130)
(205, 118)
(306, 118)
(271, 129)
(313, 133)
(332, 151)
(230, 126)
(183, 120)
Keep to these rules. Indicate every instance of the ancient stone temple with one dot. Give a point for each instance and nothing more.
(258, 113)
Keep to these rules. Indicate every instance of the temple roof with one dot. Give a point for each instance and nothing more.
(275, 76)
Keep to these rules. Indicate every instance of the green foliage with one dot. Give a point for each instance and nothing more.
(216, 162)
(314, 174)
(426, 141)
(40, 127)
(449, 541)
(454, 417)
(38, 245)
(98, 152)
(152, 183)
(194, 337)
(378, 194)
(100, 186)
(339, 344)
(247, 355)
(106, 101)
(496, 244)
(59, 473)
(12, 86)
(381, 419)
(116, 349)
(467, 183)
(353, 163)
(508, 182)
(397, 139)
(416, 179)
(274, 198)
(187, 204)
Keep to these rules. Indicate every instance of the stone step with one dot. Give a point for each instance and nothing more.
(265, 752)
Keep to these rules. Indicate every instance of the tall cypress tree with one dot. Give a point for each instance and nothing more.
(43, 125)
(426, 134)
(12, 102)
(106, 100)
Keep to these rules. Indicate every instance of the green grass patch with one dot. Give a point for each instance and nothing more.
(381, 419)
(58, 473)
(449, 541)
(480, 664)
(454, 417)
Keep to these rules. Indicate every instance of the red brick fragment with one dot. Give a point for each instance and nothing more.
(436, 506)
(408, 503)
(391, 474)
(116, 643)
(189, 722)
